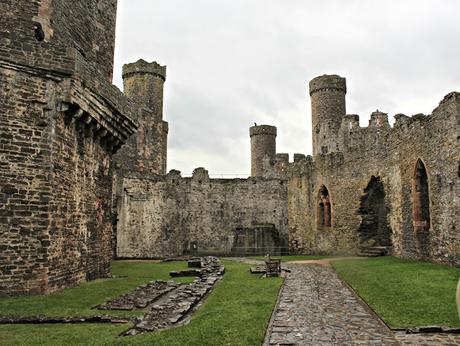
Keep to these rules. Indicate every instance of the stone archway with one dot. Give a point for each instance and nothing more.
(374, 230)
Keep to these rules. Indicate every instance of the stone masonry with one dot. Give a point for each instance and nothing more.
(170, 215)
(406, 178)
(377, 189)
(83, 166)
(61, 120)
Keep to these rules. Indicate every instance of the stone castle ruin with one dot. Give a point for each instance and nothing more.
(83, 167)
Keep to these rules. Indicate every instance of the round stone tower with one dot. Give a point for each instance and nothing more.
(327, 109)
(263, 148)
(146, 151)
(143, 83)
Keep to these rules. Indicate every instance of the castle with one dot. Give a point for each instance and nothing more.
(83, 167)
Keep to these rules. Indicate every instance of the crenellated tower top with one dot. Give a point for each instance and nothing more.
(327, 110)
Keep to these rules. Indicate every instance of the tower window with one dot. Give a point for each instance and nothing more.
(38, 32)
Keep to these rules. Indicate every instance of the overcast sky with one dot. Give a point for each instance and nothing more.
(231, 63)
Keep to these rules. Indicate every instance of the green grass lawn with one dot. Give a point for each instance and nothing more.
(78, 300)
(293, 257)
(404, 293)
(236, 313)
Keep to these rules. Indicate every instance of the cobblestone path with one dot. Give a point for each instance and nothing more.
(315, 308)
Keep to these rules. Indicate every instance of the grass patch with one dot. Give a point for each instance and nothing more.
(293, 257)
(404, 293)
(236, 313)
(78, 300)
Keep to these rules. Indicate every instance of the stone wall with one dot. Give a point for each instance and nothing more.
(170, 215)
(391, 155)
(60, 123)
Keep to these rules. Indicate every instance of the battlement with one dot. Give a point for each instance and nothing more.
(266, 130)
(282, 158)
(328, 82)
(378, 119)
(143, 67)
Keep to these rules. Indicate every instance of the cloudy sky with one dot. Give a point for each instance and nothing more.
(231, 63)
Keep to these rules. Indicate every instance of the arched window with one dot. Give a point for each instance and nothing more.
(420, 198)
(324, 208)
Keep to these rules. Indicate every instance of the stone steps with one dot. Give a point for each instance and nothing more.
(374, 251)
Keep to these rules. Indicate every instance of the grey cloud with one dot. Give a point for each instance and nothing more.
(231, 63)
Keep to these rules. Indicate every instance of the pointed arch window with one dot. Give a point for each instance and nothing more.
(324, 208)
(420, 198)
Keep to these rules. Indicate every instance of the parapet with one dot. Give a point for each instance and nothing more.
(267, 130)
(350, 122)
(282, 158)
(200, 174)
(143, 67)
(378, 119)
(299, 157)
(328, 82)
(174, 174)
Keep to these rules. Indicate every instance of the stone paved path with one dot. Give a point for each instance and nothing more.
(316, 308)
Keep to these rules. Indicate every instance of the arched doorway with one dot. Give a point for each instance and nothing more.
(374, 230)
(324, 208)
(420, 198)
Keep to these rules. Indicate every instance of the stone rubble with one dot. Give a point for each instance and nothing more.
(53, 320)
(177, 305)
(141, 297)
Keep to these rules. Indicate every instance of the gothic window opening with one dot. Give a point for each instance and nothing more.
(420, 198)
(324, 208)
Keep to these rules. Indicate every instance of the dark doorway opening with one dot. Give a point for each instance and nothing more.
(374, 231)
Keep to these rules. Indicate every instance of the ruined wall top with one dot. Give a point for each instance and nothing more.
(143, 67)
(328, 82)
(262, 130)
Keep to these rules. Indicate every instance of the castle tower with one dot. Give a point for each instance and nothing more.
(263, 149)
(62, 121)
(44, 26)
(327, 109)
(146, 150)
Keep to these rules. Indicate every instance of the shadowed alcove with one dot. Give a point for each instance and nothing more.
(374, 229)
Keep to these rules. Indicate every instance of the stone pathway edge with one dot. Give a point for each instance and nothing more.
(272, 316)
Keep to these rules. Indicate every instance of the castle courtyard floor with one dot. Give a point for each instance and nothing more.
(316, 308)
